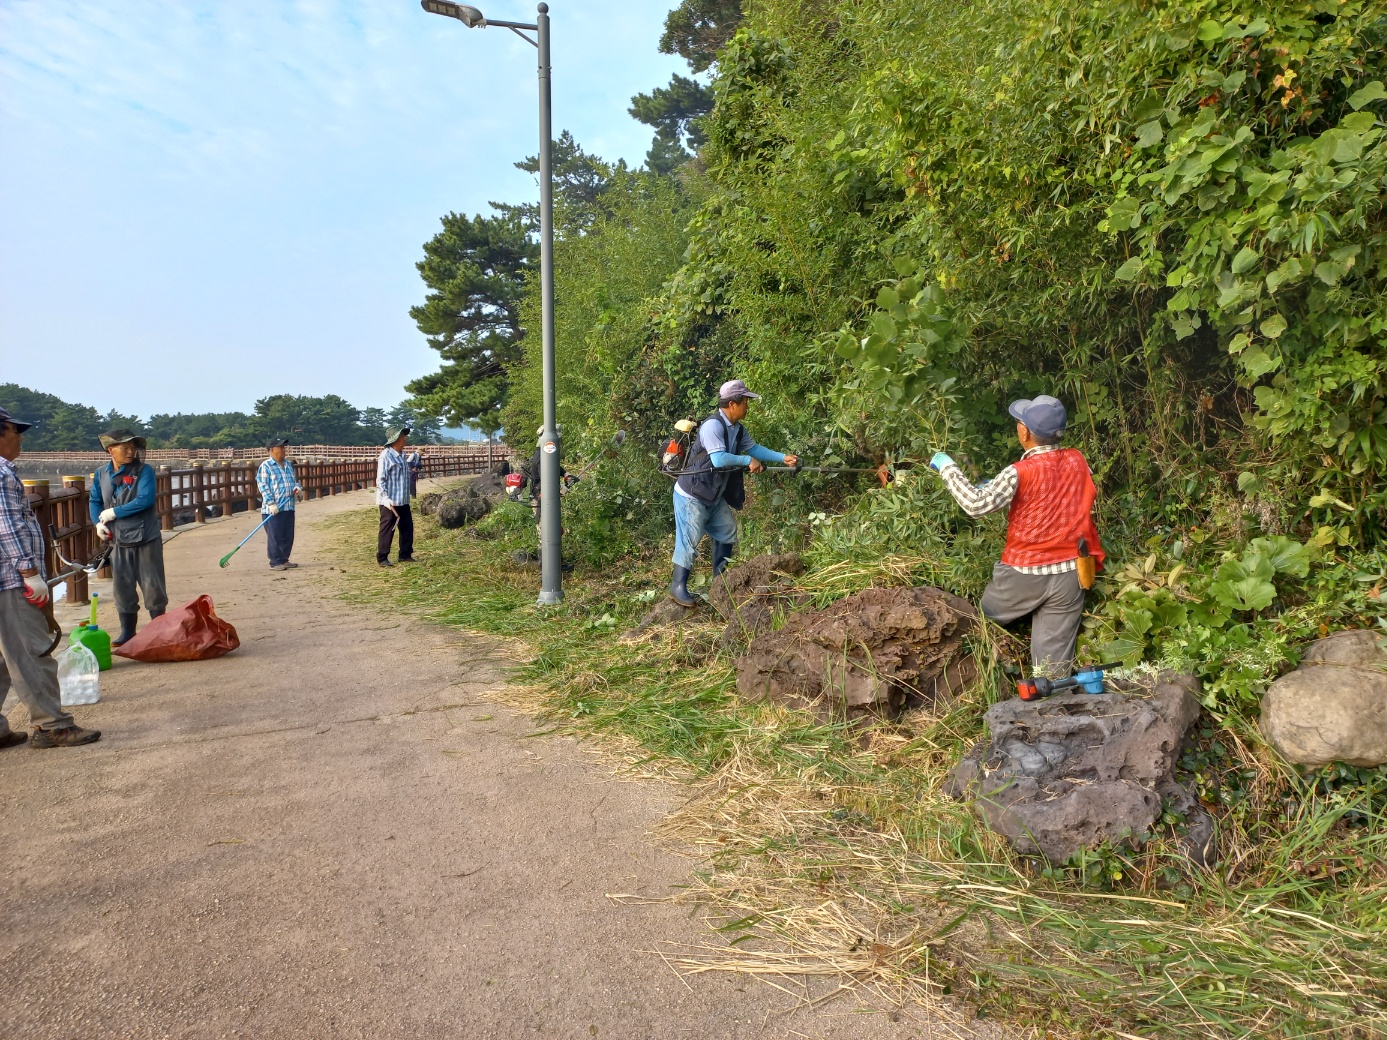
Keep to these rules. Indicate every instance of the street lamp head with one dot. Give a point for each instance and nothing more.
(465, 13)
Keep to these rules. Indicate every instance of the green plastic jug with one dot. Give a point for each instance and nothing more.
(94, 639)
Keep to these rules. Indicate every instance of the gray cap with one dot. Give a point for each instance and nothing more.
(1044, 416)
(6, 417)
(395, 433)
(734, 388)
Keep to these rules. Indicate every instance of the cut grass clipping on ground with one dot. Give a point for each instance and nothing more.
(833, 851)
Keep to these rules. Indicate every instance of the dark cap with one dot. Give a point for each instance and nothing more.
(275, 442)
(6, 417)
(1044, 416)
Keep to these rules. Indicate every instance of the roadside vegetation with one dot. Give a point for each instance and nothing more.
(896, 218)
(829, 850)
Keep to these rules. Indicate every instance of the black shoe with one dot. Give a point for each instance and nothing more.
(127, 628)
(73, 736)
(13, 739)
(385, 563)
(408, 559)
(679, 588)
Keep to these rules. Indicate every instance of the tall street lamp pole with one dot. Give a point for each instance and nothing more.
(550, 522)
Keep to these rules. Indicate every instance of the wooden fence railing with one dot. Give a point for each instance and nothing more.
(193, 494)
(154, 456)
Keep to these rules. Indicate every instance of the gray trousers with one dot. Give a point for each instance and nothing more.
(1057, 604)
(141, 565)
(24, 635)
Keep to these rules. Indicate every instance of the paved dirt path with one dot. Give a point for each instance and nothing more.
(332, 833)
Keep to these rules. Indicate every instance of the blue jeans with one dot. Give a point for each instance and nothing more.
(693, 519)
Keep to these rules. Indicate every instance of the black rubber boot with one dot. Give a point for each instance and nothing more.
(155, 613)
(679, 588)
(722, 553)
(127, 628)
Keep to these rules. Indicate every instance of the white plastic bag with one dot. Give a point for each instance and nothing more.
(79, 676)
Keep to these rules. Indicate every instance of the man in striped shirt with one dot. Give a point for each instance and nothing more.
(1048, 495)
(392, 495)
(279, 487)
(23, 624)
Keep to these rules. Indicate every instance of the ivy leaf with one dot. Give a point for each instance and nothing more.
(1274, 326)
(1128, 271)
(1372, 92)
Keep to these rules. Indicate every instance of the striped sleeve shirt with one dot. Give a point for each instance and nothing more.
(277, 484)
(989, 497)
(392, 479)
(21, 540)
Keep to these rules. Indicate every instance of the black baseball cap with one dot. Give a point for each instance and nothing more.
(276, 442)
(6, 417)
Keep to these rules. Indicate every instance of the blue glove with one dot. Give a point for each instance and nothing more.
(939, 461)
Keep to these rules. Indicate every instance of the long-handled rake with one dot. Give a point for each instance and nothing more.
(227, 558)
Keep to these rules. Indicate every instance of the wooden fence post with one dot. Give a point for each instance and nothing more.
(199, 491)
(80, 543)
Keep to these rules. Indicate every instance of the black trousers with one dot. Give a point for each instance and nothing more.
(388, 525)
(279, 536)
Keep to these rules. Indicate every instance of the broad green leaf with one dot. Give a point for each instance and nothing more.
(888, 298)
(1234, 80)
(1244, 594)
(1274, 326)
(1124, 649)
(1285, 554)
(1257, 362)
(1124, 214)
(1245, 259)
(1149, 134)
(1329, 273)
(1210, 31)
(1128, 271)
(1358, 122)
(1372, 92)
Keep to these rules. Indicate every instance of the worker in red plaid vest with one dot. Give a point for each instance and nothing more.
(1052, 545)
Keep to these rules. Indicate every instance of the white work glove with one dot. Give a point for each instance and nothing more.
(103, 532)
(108, 515)
(272, 508)
(36, 590)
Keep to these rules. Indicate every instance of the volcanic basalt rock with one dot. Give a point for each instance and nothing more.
(748, 595)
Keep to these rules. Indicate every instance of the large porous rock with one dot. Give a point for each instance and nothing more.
(874, 653)
(1072, 771)
(470, 502)
(748, 595)
(1333, 708)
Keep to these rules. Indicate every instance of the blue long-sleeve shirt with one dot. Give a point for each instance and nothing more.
(759, 452)
(144, 492)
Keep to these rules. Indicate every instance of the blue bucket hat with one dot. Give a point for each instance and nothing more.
(1044, 416)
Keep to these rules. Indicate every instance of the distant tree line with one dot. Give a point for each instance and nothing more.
(63, 426)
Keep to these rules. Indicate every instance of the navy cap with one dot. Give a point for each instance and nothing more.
(1044, 416)
(8, 418)
(276, 442)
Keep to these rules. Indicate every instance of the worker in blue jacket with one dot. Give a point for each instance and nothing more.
(711, 486)
(123, 509)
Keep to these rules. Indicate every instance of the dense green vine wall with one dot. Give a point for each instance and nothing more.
(1166, 213)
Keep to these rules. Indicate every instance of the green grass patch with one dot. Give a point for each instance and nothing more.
(832, 850)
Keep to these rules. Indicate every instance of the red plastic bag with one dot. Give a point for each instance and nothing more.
(193, 632)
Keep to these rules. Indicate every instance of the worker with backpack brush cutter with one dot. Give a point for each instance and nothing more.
(712, 486)
(24, 629)
(1052, 553)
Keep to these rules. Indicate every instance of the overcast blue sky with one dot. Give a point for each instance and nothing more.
(204, 203)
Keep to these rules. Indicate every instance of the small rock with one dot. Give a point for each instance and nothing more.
(1333, 708)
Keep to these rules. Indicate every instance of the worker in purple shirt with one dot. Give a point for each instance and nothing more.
(23, 625)
(123, 509)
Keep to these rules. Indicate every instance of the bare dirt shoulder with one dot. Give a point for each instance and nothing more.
(334, 833)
